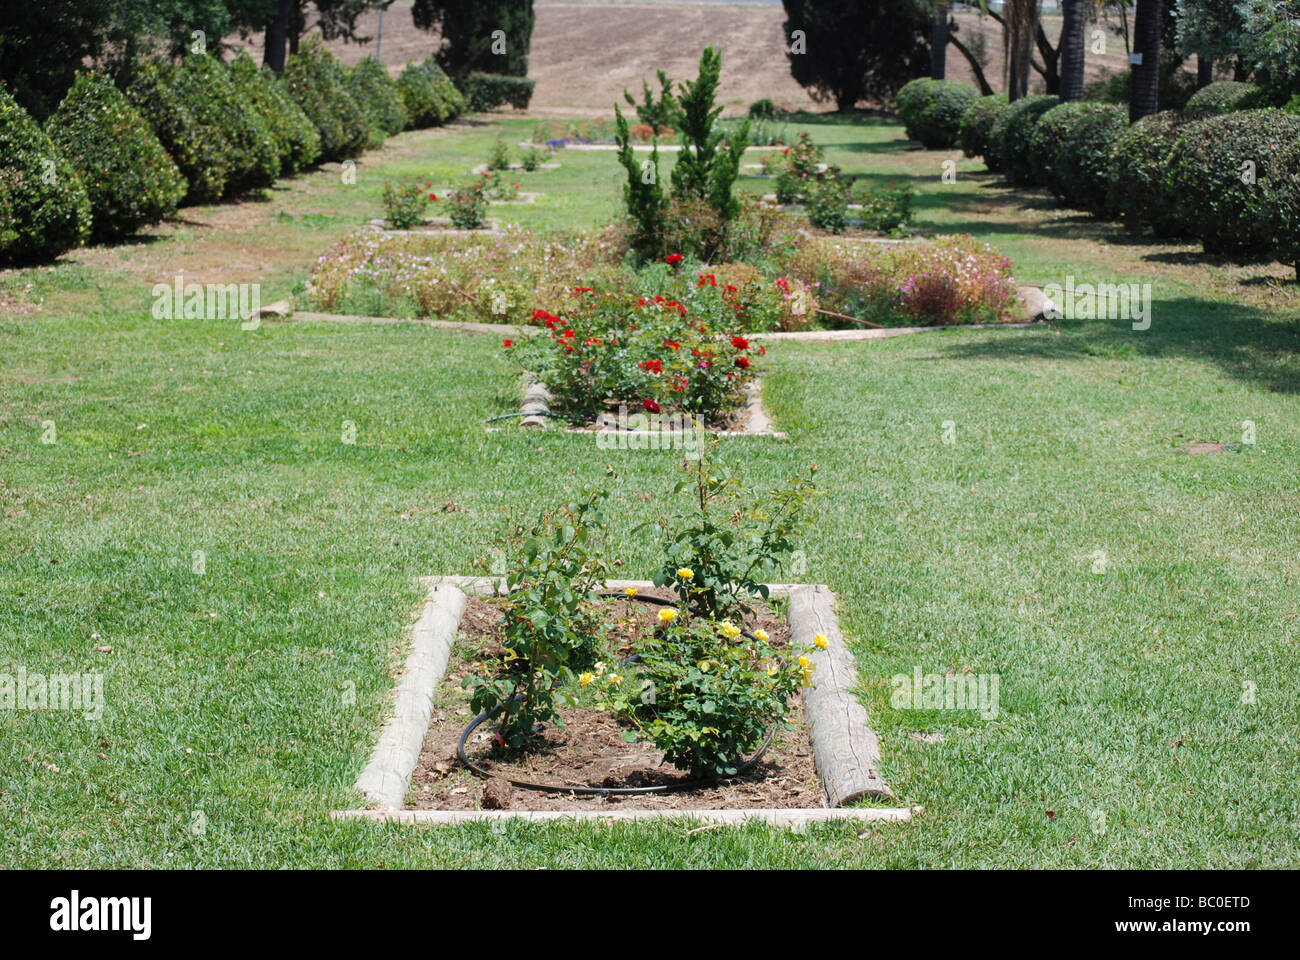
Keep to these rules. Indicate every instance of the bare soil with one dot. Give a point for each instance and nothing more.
(589, 750)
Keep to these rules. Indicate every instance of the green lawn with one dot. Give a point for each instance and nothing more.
(253, 692)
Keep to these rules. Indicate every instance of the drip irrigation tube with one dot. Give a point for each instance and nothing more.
(744, 767)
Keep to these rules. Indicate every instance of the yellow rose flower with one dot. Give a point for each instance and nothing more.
(667, 615)
(772, 671)
(600, 668)
(760, 635)
(615, 679)
(586, 678)
(820, 641)
(630, 591)
(804, 661)
(730, 631)
(685, 573)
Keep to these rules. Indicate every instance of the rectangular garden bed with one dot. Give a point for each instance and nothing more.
(828, 760)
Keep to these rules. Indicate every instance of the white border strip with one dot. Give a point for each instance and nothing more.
(777, 817)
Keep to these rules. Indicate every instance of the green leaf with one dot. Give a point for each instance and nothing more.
(630, 736)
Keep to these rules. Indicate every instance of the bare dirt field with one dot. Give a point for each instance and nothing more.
(585, 53)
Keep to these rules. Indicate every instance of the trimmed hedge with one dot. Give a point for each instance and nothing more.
(1011, 137)
(130, 180)
(202, 158)
(44, 209)
(296, 138)
(203, 84)
(977, 124)
(1224, 208)
(1283, 202)
(485, 91)
(1139, 160)
(1071, 152)
(317, 84)
(1217, 98)
(374, 90)
(937, 123)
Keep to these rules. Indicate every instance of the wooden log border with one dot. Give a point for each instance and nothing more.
(845, 750)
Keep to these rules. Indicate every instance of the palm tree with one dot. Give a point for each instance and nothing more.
(1146, 44)
(1072, 12)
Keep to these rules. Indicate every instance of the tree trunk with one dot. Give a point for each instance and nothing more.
(1051, 57)
(939, 43)
(1072, 49)
(1146, 75)
(1022, 22)
(276, 33)
(986, 88)
(1204, 71)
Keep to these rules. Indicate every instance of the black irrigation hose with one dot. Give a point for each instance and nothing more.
(507, 416)
(473, 725)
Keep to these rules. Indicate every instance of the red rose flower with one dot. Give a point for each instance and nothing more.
(672, 344)
(742, 362)
(673, 259)
(740, 343)
(651, 405)
(652, 366)
(507, 343)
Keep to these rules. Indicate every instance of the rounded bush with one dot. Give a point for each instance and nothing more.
(1218, 175)
(938, 124)
(977, 124)
(1222, 96)
(44, 209)
(1011, 138)
(374, 90)
(204, 85)
(911, 99)
(424, 106)
(130, 180)
(296, 138)
(1139, 161)
(1071, 150)
(317, 84)
(455, 102)
(202, 158)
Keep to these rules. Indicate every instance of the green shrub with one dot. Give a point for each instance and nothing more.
(1218, 172)
(1220, 97)
(828, 202)
(487, 91)
(935, 112)
(203, 84)
(1283, 203)
(198, 152)
(405, 206)
(763, 109)
(317, 84)
(45, 207)
(1011, 137)
(499, 156)
(977, 124)
(429, 95)
(911, 99)
(530, 159)
(1071, 153)
(1139, 161)
(467, 206)
(128, 176)
(296, 138)
(886, 209)
(376, 93)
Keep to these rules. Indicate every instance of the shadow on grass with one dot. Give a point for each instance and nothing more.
(1246, 344)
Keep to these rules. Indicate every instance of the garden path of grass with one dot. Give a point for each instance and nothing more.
(1148, 711)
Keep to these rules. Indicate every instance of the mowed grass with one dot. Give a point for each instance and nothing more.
(1149, 702)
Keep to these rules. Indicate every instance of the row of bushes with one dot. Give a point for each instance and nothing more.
(1214, 172)
(110, 162)
(489, 90)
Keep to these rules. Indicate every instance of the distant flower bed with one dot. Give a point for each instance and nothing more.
(948, 280)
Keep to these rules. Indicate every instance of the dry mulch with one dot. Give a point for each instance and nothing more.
(589, 750)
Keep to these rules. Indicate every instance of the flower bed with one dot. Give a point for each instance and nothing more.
(948, 280)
